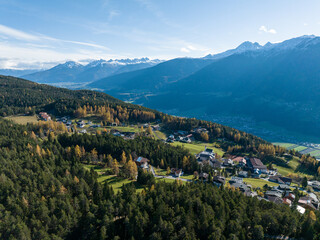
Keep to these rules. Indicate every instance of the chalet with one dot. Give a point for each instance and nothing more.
(142, 162)
(273, 193)
(315, 185)
(300, 209)
(235, 180)
(256, 165)
(200, 130)
(156, 127)
(44, 116)
(185, 140)
(206, 155)
(284, 187)
(287, 201)
(240, 160)
(218, 180)
(313, 197)
(290, 196)
(308, 203)
(227, 163)
(176, 172)
(241, 187)
(280, 180)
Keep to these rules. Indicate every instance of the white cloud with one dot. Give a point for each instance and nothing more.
(11, 32)
(186, 50)
(20, 49)
(265, 29)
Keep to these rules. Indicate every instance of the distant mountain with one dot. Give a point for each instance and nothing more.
(17, 73)
(151, 79)
(276, 83)
(72, 72)
(244, 47)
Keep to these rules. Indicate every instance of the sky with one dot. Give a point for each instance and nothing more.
(40, 34)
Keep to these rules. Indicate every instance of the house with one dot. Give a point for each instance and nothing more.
(284, 187)
(255, 164)
(281, 180)
(308, 203)
(273, 193)
(156, 127)
(243, 174)
(240, 160)
(315, 185)
(200, 130)
(176, 172)
(235, 180)
(142, 162)
(241, 187)
(314, 197)
(185, 140)
(44, 116)
(206, 155)
(227, 162)
(287, 201)
(300, 209)
(218, 180)
(290, 196)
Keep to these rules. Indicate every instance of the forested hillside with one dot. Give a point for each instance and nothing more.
(45, 193)
(25, 97)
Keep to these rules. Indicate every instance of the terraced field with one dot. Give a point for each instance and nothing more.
(313, 151)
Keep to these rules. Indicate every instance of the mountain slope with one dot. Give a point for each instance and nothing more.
(153, 78)
(278, 85)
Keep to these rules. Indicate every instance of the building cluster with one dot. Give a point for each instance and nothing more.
(241, 168)
(44, 116)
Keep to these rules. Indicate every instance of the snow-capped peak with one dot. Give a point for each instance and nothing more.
(69, 64)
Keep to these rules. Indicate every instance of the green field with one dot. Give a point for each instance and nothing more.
(112, 180)
(300, 148)
(187, 176)
(285, 145)
(167, 180)
(160, 172)
(255, 183)
(23, 119)
(197, 147)
(292, 168)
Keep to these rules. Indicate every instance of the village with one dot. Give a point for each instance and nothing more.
(235, 172)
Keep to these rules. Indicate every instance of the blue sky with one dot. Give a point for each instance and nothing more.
(38, 33)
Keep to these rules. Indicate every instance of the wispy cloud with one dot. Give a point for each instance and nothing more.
(266, 30)
(17, 34)
(20, 35)
(22, 49)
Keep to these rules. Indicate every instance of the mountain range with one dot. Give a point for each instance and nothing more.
(274, 83)
(73, 72)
